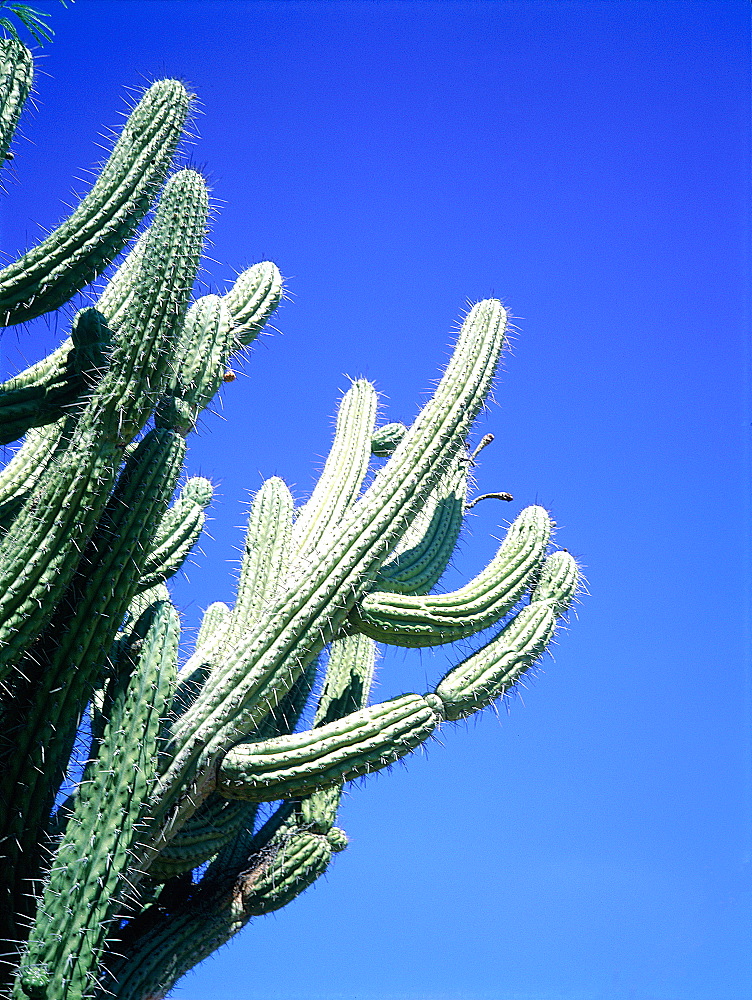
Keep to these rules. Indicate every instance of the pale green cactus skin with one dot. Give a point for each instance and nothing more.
(156, 856)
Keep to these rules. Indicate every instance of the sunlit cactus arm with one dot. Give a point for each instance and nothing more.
(178, 532)
(214, 617)
(266, 557)
(430, 620)
(345, 468)
(364, 741)
(16, 77)
(48, 275)
(89, 870)
(252, 300)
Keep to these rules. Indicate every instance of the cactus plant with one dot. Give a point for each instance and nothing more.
(160, 854)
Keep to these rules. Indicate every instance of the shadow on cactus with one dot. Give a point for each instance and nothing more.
(159, 855)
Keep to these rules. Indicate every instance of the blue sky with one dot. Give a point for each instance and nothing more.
(586, 162)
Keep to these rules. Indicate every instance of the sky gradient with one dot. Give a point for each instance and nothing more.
(587, 163)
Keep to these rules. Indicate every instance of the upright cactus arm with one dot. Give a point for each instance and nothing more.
(252, 300)
(177, 533)
(88, 874)
(46, 276)
(345, 468)
(16, 78)
(423, 553)
(62, 669)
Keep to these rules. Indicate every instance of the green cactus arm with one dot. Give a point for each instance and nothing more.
(266, 557)
(46, 276)
(88, 873)
(296, 765)
(123, 285)
(214, 617)
(344, 470)
(385, 439)
(266, 553)
(324, 586)
(430, 620)
(178, 532)
(16, 78)
(423, 553)
(252, 299)
(40, 551)
(485, 675)
(46, 391)
(204, 346)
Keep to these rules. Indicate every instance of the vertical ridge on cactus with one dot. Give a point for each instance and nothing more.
(159, 854)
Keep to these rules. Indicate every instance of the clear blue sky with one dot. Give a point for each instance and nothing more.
(586, 162)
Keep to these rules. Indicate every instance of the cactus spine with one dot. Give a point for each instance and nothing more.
(157, 855)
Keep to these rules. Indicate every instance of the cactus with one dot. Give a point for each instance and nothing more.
(157, 855)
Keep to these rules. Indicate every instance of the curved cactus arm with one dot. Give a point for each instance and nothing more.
(46, 276)
(430, 620)
(46, 391)
(16, 78)
(178, 532)
(323, 587)
(41, 549)
(297, 765)
(485, 675)
(344, 470)
(252, 300)
(419, 561)
(87, 877)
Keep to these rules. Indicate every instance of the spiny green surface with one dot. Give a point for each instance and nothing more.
(118, 883)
